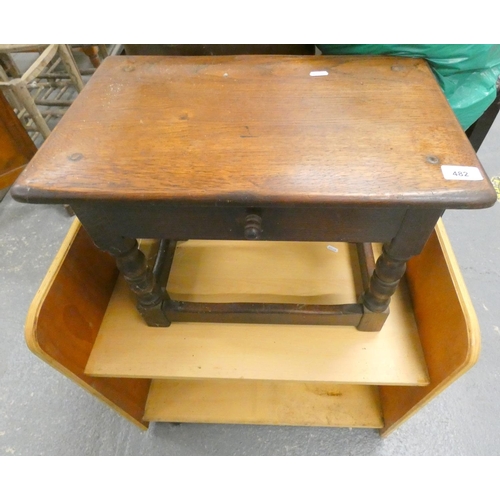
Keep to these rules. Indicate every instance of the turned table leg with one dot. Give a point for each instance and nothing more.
(416, 228)
(132, 264)
(384, 281)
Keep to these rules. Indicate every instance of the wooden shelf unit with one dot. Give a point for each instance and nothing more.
(83, 322)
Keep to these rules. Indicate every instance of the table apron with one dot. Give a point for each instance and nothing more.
(228, 223)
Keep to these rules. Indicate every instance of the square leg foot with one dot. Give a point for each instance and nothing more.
(154, 315)
(372, 321)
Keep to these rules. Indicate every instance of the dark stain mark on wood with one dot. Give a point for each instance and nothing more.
(75, 157)
(248, 133)
(328, 393)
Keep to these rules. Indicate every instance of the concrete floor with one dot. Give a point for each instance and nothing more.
(43, 413)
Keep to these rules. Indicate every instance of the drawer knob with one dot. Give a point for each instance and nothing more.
(253, 227)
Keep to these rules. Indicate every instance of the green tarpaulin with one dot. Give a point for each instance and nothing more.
(467, 73)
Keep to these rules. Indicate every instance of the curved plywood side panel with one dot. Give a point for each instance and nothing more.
(447, 324)
(65, 317)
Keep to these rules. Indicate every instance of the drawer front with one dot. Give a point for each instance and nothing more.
(229, 223)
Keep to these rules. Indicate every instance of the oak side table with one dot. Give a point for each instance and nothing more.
(281, 148)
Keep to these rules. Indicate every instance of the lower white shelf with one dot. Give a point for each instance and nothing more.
(264, 402)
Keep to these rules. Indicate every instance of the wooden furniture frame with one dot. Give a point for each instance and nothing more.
(16, 147)
(43, 84)
(277, 148)
(253, 374)
(97, 53)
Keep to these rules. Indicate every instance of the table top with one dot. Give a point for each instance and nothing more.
(257, 130)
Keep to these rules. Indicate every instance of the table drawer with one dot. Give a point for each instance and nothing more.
(228, 223)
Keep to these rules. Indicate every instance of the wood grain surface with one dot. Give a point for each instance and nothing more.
(447, 326)
(16, 146)
(241, 129)
(66, 315)
(264, 403)
(220, 271)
